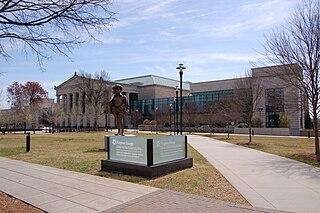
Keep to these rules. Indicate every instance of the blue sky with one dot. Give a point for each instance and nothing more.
(214, 39)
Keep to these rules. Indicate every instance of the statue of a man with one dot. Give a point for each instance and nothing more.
(119, 107)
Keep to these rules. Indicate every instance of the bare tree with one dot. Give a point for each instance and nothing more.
(52, 25)
(249, 93)
(96, 93)
(5, 118)
(297, 43)
(227, 111)
(190, 113)
(209, 112)
(51, 115)
(25, 100)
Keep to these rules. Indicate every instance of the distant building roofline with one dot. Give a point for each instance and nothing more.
(151, 75)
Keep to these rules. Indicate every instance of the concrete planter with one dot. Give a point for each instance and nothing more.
(264, 131)
(143, 127)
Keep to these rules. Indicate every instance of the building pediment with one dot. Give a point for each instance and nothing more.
(69, 86)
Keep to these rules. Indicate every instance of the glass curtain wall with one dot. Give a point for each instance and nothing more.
(200, 103)
(274, 106)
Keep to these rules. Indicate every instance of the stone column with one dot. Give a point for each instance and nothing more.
(67, 110)
(83, 110)
(63, 101)
(68, 103)
(74, 103)
(87, 117)
(79, 108)
(58, 99)
(75, 109)
(63, 107)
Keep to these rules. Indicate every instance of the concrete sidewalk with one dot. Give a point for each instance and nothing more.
(58, 190)
(265, 180)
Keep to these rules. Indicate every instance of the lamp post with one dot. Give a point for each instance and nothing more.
(137, 113)
(260, 110)
(170, 105)
(174, 115)
(188, 111)
(156, 121)
(177, 110)
(181, 68)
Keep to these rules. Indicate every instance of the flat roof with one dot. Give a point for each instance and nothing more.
(148, 80)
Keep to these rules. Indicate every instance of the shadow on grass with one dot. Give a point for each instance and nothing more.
(94, 150)
(253, 145)
(306, 158)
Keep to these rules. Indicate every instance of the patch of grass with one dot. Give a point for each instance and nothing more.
(300, 149)
(6, 152)
(81, 152)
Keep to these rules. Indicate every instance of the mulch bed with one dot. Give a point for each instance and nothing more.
(251, 144)
(10, 204)
(305, 156)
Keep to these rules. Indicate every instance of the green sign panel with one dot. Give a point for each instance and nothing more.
(168, 148)
(128, 149)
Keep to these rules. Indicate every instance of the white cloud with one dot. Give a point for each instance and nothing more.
(269, 13)
(133, 12)
(110, 40)
(250, 17)
(158, 7)
(219, 56)
(50, 84)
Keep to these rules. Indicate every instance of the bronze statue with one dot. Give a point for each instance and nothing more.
(119, 107)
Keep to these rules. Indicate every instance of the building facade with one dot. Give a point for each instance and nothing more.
(157, 98)
(35, 117)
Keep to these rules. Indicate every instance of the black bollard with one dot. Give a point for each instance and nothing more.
(308, 134)
(28, 142)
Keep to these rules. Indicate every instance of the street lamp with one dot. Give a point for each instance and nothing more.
(260, 110)
(174, 115)
(156, 121)
(177, 109)
(181, 68)
(188, 111)
(170, 105)
(137, 113)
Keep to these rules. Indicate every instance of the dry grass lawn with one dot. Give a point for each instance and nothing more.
(300, 149)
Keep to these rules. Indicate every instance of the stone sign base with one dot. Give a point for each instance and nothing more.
(144, 170)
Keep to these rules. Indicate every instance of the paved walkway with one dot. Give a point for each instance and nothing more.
(265, 180)
(57, 190)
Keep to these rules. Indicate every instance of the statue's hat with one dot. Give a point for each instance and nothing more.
(117, 86)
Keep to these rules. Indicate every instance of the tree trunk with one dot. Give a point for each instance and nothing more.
(316, 135)
(250, 136)
(228, 131)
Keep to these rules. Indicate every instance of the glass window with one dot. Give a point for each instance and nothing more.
(199, 100)
(274, 106)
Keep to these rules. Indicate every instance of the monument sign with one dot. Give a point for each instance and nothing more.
(147, 157)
